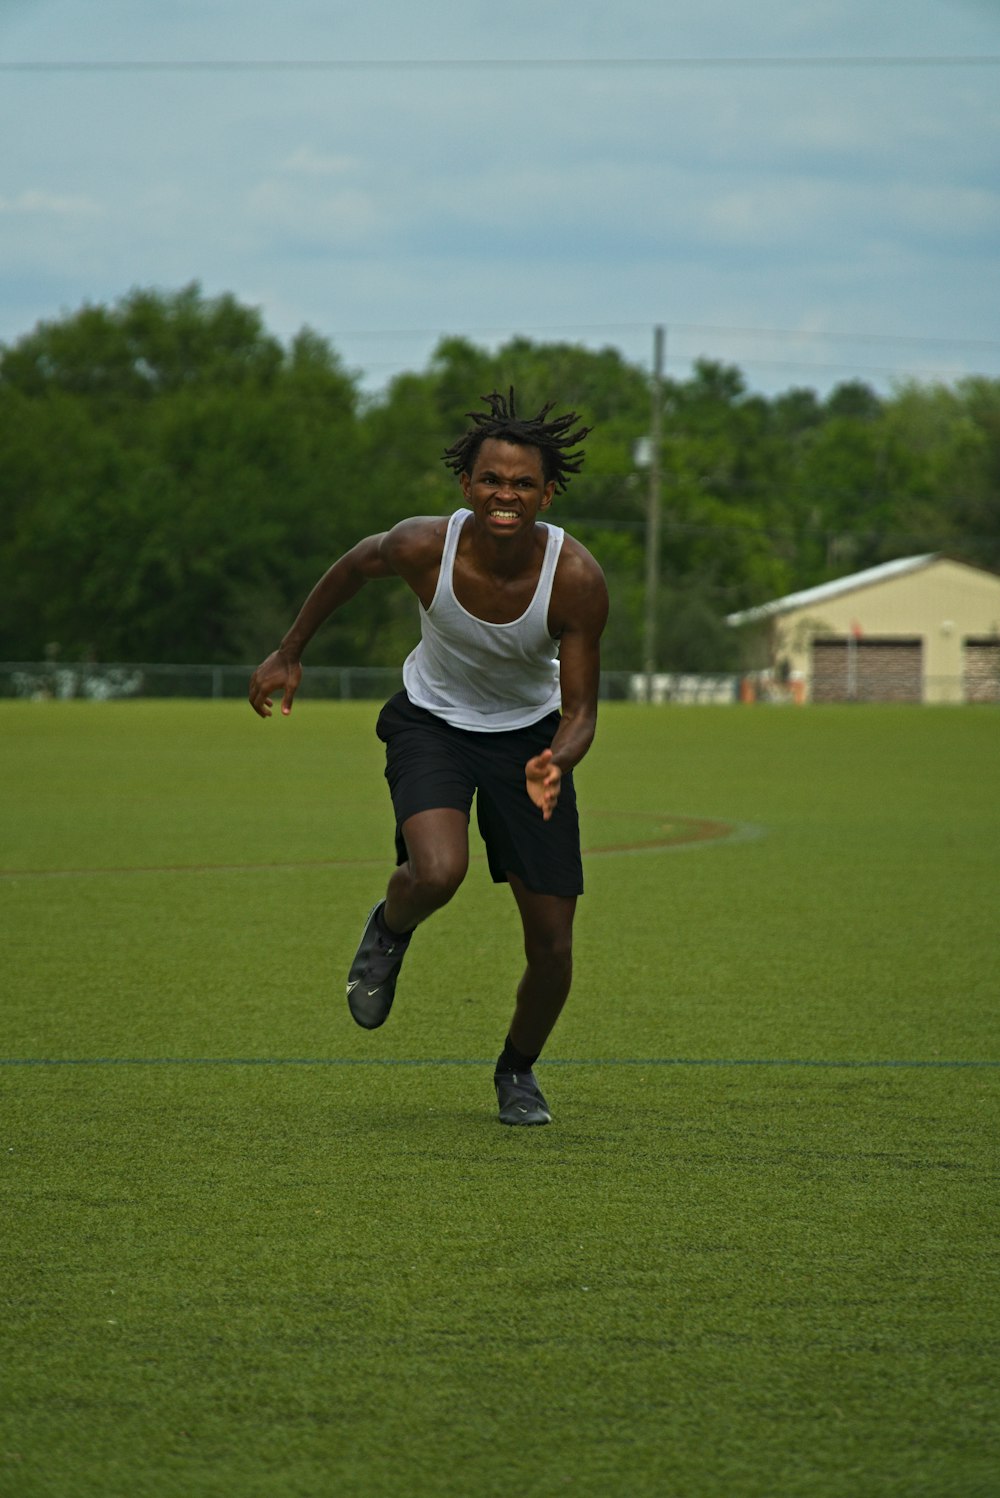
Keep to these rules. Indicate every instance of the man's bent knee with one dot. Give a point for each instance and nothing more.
(437, 847)
(551, 949)
(435, 883)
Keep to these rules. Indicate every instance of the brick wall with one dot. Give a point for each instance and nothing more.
(981, 671)
(867, 670)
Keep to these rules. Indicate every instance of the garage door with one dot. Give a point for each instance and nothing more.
(981, 670)
(868, 670)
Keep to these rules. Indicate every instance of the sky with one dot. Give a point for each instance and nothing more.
(576, 172)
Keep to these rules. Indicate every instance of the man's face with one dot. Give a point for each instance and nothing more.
(507, 486)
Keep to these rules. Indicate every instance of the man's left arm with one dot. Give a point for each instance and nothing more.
(580, 673)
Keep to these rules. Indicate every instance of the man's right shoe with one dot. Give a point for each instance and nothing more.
(371, 983)
(520, 1098)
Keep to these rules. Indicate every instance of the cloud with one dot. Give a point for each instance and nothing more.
(35, 201)
(514, 198)
(945, 211)
(308, 161)
(310, 217)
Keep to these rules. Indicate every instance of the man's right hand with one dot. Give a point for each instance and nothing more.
(277, 674)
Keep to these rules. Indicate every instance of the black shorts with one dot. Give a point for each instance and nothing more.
(430, 764)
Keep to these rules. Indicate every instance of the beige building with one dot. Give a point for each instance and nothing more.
(921, 629)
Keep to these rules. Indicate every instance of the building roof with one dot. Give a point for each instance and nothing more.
(809, 596)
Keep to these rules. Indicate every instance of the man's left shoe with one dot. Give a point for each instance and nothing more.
(371, 983)
(520, 1098)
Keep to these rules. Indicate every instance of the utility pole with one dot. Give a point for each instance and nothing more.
(653, 511)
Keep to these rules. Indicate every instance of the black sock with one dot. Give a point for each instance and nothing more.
(511, 1059)
(386, 931)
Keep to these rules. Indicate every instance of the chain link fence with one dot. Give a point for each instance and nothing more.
(105, 681)
(45, 681)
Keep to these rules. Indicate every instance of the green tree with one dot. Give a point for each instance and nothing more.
(173, 480)
(165, 469)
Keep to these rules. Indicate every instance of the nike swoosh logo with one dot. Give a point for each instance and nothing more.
(352, 986)
(371, 991)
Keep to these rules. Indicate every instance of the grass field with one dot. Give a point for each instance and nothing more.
(249, 1249)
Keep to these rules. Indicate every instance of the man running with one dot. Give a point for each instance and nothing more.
(499, 700)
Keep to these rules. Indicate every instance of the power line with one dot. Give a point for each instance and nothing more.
(748, 363)
(940, 372)
(507, 64)
(821, 336)
(812, 335)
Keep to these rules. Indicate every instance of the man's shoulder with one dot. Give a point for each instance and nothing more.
(417, 541)
(579, 591)
(577, 565)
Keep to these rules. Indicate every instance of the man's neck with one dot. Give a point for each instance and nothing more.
(506, 558)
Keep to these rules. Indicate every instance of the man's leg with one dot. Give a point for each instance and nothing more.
(548, 945)
(437, 849)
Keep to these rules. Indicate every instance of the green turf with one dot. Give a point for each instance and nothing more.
(251, 1250)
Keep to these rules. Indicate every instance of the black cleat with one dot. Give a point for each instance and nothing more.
(520, 1098)
(371, 983)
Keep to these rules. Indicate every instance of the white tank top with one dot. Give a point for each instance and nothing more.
(481, 676)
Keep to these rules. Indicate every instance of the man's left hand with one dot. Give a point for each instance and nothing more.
(544, 779)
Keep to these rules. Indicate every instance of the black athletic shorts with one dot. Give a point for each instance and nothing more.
(430, 764)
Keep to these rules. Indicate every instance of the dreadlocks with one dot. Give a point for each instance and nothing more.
(552, 438)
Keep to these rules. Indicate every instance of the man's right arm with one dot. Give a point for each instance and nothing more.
(410, 550)
(282, 671)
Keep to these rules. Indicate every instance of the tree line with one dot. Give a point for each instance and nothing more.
(173, 479)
